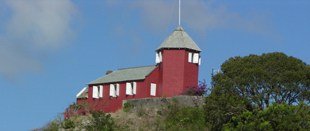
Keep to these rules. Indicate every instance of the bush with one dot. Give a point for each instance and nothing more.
(197, 91)
(184, 118)
(275, 117)
(101, 121)
(68, 124)
(220, 108)
(127, 107)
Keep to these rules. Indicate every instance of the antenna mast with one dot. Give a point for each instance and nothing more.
(179, 12)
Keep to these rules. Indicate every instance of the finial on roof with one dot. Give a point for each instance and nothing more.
(179, 12)
(179, 28)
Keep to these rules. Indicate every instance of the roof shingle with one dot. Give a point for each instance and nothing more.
(179, 39)
(126, 74)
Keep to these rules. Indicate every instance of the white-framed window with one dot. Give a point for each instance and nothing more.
(190, 57)
(131, 88)
(196, 58)
(153, 89)
(158, 57)
(114, 90)
(98, 91)
(95, 92)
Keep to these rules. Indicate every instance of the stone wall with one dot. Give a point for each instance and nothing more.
(191, 101)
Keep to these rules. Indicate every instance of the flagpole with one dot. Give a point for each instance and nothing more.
(179, 12)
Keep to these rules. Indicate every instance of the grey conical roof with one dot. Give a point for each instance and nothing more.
(179, 39)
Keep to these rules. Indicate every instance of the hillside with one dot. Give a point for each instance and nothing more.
(177, 113)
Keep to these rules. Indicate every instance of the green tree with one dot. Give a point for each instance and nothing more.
(253, 82)
(219, 109)
(277, 117)
(265, 79)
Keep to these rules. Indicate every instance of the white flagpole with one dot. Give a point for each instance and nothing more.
(179, 12)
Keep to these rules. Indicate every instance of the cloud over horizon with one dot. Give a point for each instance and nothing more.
(199, 15)
(28, 29)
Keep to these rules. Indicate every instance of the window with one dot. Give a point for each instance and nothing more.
(114, 90)
(158, 57)
(131, 88)
(190, 57)
(153, 89)
(196, 58)
(101, 91)
(117, 89)
(95, 92)
(98, 91)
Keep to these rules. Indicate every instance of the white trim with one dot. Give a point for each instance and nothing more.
(80, 93)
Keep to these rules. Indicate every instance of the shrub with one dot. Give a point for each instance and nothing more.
(275, 117)
(184, 118)
(127, 107)
(197, 91)
(68, 124)
(101, 121)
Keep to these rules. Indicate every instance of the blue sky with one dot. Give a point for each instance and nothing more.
(50, 49)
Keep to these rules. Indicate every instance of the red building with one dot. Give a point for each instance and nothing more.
(176, 70)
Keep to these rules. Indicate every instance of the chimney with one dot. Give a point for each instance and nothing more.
(108, 72)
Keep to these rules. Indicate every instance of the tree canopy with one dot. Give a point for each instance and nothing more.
(247, 86)
(266, 79)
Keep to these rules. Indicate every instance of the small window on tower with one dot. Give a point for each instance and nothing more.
(158, 57)
(157, 60)
(196, 58)
(190, 57)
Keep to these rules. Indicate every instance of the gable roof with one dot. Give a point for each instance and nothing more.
(179, 39)
(126, 74)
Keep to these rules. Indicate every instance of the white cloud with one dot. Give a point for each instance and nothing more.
(199, 15)
(30, 28)
(15, 60)
(41, 22)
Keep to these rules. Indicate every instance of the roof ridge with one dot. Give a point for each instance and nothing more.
(134, 67)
